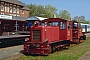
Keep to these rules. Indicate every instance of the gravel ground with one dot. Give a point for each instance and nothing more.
(7, 53)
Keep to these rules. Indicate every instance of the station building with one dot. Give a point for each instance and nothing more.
(12, 16)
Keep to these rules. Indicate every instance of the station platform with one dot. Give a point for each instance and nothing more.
(24, 32)
(86, 56)
(12, 40)
(13, 36)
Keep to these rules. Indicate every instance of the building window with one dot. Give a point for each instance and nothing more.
(2, 7)
(14, 14)
(18, 15)
(11, 9)
(22, 11)
(6, 9)
(6, 27)
(10, 14)
(2, 13)
(15, 9)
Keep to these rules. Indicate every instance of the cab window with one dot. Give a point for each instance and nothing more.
(69, 26)
(53, 24)
(62, 25)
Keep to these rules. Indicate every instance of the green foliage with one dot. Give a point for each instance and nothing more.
(36, 10)
(47, 11)
(50, 11)
(65, 14)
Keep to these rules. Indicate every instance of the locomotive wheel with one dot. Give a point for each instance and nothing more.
(78, 41)
(58, 49)
(52, 49)
(67, 47)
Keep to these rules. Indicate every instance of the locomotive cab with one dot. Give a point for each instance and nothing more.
(48, 38)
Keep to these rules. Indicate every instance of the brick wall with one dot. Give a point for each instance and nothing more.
(7, 10)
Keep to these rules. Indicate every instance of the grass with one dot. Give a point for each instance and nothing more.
(73, 53)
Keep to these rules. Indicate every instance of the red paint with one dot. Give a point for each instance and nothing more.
(42, 38)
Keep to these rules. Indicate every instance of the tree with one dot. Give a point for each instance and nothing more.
(36, 10)
(50, 11)
(65, 14)
(76, 18)
(47, 11)
(81, 19)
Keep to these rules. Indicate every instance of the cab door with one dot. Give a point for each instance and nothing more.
(69, 30)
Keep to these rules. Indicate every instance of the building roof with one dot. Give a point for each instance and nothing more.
(16, 2)
(36, 18)
(26, 8)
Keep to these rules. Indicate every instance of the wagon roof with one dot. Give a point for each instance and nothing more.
(53, 19)
(33, 18)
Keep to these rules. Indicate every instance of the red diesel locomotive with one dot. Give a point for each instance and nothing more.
(56, 34)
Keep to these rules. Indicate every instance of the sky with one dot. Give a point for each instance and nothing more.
(74, 7)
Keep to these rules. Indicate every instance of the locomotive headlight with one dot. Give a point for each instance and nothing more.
(37, 45)
(46, 40)
(27, 39)
(75, 32)
(13, 33)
